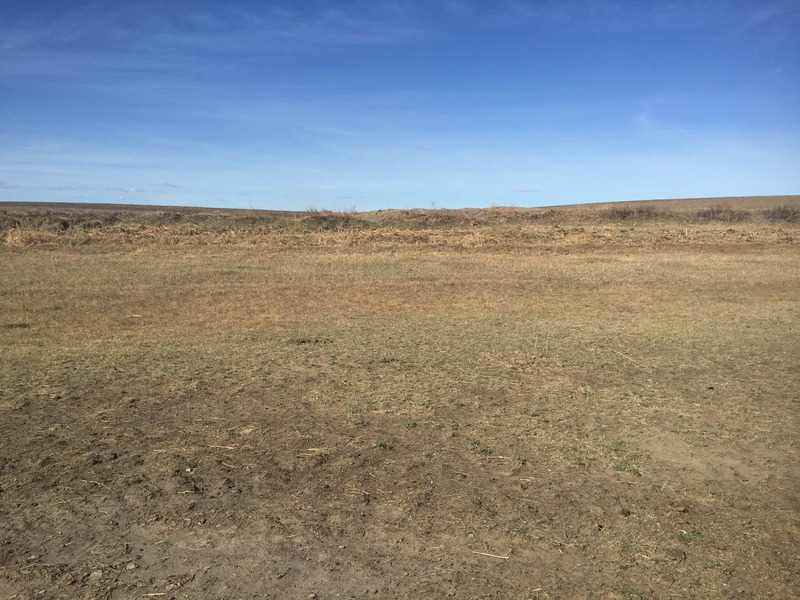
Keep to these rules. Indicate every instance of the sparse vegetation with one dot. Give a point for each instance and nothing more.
(418, 402)
(478, 448)
(626, 466)
(785, 212)
(687, 537)
(573, 454)
(723, 213)
(627, 212)
(496, 229)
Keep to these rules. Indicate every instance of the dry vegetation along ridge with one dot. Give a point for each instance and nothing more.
(578, 402)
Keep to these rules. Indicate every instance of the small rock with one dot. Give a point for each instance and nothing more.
(132, 566)
(95, 575)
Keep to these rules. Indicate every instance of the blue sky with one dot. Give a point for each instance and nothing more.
(372, 104)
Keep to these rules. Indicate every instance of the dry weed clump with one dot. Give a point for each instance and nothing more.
(627, 213)
(20, 237)
(724, 214)
(786, 213)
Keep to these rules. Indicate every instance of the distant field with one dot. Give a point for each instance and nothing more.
(571, 402)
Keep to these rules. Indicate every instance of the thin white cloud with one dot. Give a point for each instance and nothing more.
(52, 188)
(182, 43)
(650, 121)
(236, 28)
(343, 25)
(666, 132)
(786, 10)
(644, 122)
(68, 188)
(613, 15)
(186, 42)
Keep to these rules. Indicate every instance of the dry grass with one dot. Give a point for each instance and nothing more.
(478, 403)
(655, 223)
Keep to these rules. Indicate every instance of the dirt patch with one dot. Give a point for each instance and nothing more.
(704, 463)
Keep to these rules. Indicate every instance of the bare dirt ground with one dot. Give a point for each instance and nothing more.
(586, 402)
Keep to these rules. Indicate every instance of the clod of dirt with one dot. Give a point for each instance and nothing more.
(675, 554)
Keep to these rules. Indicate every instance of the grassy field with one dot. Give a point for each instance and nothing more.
(574, 402)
